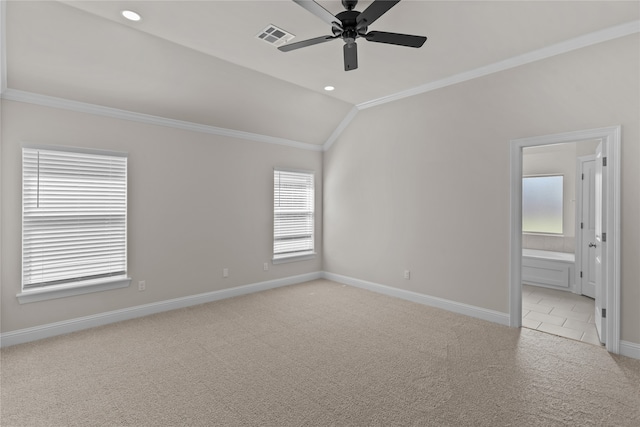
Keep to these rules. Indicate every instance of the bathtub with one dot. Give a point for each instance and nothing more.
(548, 269)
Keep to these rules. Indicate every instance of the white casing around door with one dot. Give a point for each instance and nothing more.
(600, 264)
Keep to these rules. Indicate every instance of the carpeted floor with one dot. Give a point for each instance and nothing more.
(315, 354)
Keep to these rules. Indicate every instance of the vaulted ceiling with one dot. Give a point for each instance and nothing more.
(201, 62)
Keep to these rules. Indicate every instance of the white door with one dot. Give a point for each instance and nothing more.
(599, 240)
(588, 229)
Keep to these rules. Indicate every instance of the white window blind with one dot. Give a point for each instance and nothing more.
(74, 216)
(293, 214)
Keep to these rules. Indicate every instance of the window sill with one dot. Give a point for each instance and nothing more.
(294, 258)
(61, 291)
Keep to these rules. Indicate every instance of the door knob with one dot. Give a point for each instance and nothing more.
(592, 245)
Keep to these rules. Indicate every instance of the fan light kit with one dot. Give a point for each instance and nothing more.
(131, 15)
(350, 25)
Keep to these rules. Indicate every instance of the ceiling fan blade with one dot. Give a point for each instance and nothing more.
(373, 12)
(320, 12)
(350, 56)
(304, 43)
(394, 38)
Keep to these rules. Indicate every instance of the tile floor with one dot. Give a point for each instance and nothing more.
(560, 313)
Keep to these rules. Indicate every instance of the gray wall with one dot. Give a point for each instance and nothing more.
(423, 183)
(197, 203)
(419, 184)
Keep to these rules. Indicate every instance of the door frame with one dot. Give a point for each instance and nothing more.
(610, 137)
(579, 210)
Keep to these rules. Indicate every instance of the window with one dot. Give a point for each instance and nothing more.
(74, 218)
(542, 204)
(293, 207)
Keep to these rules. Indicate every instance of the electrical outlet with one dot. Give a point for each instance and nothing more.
(225, 272)
(266, 266)
(407, 274)
(142, 285)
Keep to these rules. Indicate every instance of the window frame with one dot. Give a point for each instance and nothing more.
(72, 286)
(302, 255)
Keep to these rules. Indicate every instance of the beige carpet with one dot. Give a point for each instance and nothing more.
(315, 354)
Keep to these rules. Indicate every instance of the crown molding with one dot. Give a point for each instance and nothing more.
(607, 34)
(341, 127)
(99, 110)
(526, 58)
(579, 42)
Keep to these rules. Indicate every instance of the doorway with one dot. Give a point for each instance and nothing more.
(553, 217)
(608, 308)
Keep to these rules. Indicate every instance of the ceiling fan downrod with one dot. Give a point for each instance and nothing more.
(349, 4)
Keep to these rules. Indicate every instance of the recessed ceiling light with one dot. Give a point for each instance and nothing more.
(329, 88)
(131, 15)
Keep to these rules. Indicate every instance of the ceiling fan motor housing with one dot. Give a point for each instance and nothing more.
(349, 31)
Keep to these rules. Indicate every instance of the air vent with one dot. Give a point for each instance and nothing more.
(275, 36)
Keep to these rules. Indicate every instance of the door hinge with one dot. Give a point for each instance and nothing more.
(604, 237)
(604, 313)
(604, 161)
(581, 274)
(583, 177)
(581, 225)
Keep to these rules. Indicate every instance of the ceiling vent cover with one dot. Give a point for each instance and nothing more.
(274, 35)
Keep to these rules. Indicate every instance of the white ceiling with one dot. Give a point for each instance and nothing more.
(200, 61)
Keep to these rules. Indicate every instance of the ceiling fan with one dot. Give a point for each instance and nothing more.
(350, 25)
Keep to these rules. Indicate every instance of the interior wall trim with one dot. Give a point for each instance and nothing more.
(453, 306)
(341, 127)
(566, 46)
(99, 110)
(73, 325)
(533, 56)
(630, 349)
(526, 58)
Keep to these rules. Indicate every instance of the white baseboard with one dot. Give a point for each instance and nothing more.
(627, 348)
(630, 349)
(455, 307)
(67, 326)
